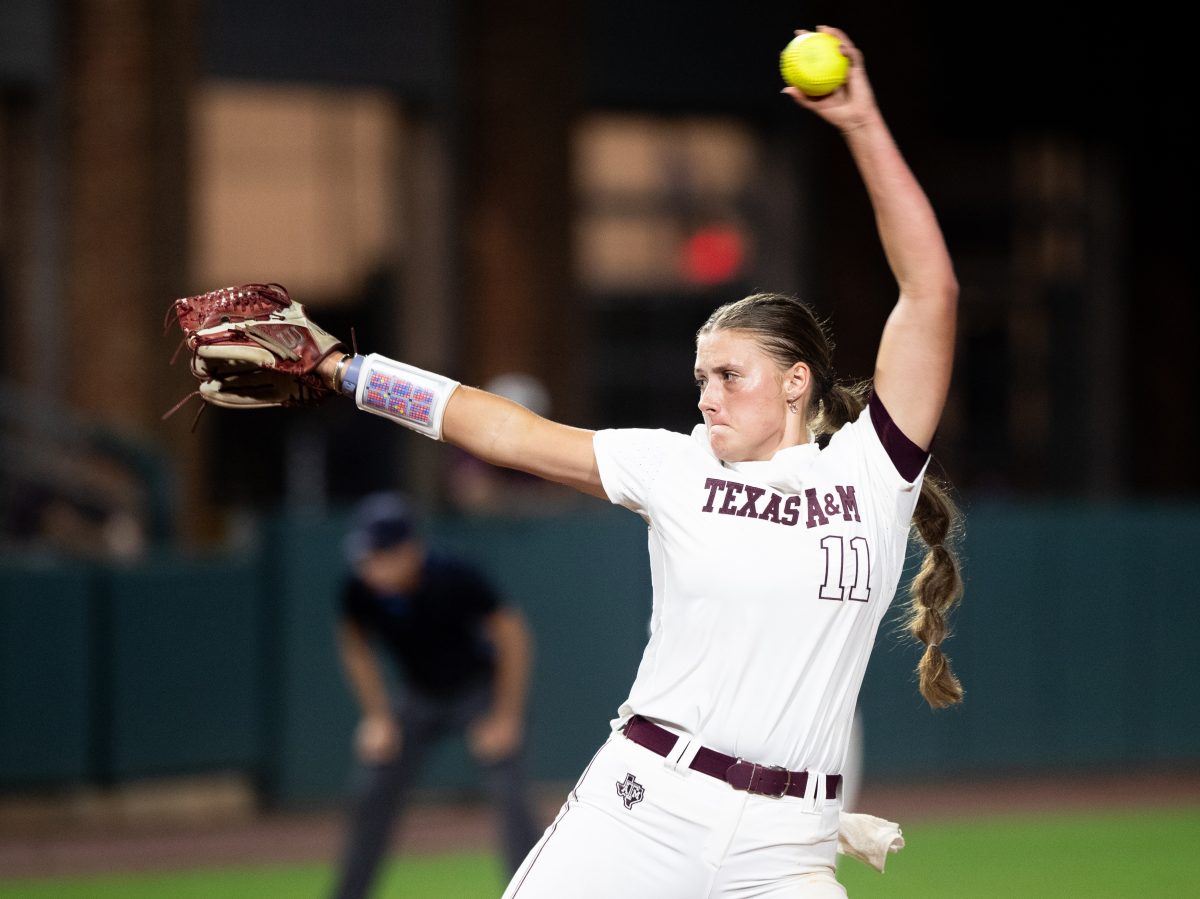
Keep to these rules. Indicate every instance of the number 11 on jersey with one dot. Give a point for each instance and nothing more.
(847, 574)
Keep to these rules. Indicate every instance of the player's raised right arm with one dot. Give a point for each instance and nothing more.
(916, 349)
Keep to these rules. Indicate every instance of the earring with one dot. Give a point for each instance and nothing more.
(791, 404)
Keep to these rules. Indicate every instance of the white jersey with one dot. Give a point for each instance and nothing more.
(770, 580)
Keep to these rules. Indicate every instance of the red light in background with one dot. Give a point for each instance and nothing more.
(713, 255)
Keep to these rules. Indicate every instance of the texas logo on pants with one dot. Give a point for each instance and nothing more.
(630, 791)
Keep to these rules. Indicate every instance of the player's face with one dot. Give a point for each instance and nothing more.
(742, 397)
(395, 569)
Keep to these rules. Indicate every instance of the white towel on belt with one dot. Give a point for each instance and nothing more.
(868, 839)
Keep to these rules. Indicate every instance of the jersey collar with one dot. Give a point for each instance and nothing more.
(786, 471)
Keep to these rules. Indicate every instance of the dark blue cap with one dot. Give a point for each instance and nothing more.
(379, 521)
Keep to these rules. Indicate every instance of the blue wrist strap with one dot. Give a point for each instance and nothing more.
(350, 376)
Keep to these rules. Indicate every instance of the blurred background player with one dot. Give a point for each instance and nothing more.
(463, 658)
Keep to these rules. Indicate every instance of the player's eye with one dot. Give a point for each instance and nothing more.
(700, 382)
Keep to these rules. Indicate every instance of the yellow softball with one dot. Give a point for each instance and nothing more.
(813, 63)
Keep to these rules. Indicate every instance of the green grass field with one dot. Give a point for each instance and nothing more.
(1131, 855)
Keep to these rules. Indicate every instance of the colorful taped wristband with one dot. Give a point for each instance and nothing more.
(404, 393)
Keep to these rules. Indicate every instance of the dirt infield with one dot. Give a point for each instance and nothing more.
(236, 835)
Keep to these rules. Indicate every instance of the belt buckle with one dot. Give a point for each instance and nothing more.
(755, 768)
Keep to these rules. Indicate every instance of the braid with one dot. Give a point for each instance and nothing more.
(936, 588)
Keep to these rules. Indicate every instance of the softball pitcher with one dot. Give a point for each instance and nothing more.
(777, 532)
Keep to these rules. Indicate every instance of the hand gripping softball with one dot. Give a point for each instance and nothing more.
(253, 347)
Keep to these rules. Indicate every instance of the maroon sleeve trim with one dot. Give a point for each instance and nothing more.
(905, 455)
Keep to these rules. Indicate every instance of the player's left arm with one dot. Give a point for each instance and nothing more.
(501, 730)
(501, 432)
(916, 350)
(498, 431)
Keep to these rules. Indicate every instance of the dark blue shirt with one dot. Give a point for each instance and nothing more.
(436, 632)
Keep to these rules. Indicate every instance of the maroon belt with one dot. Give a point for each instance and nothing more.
(766, 780)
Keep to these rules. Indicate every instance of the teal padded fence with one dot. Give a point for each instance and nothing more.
(1075, 644)
(184, 667)
(47, 611)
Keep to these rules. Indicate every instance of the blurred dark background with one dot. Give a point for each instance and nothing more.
(564, 191)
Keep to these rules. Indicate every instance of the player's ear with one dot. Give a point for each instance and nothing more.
(797, 380)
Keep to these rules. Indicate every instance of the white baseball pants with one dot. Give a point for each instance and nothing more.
(639, 826)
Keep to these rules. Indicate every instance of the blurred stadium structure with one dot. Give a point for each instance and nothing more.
(564, 190)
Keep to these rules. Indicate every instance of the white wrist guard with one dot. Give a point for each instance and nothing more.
(412, 396)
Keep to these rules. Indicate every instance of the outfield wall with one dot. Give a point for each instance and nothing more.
(1075, 643)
